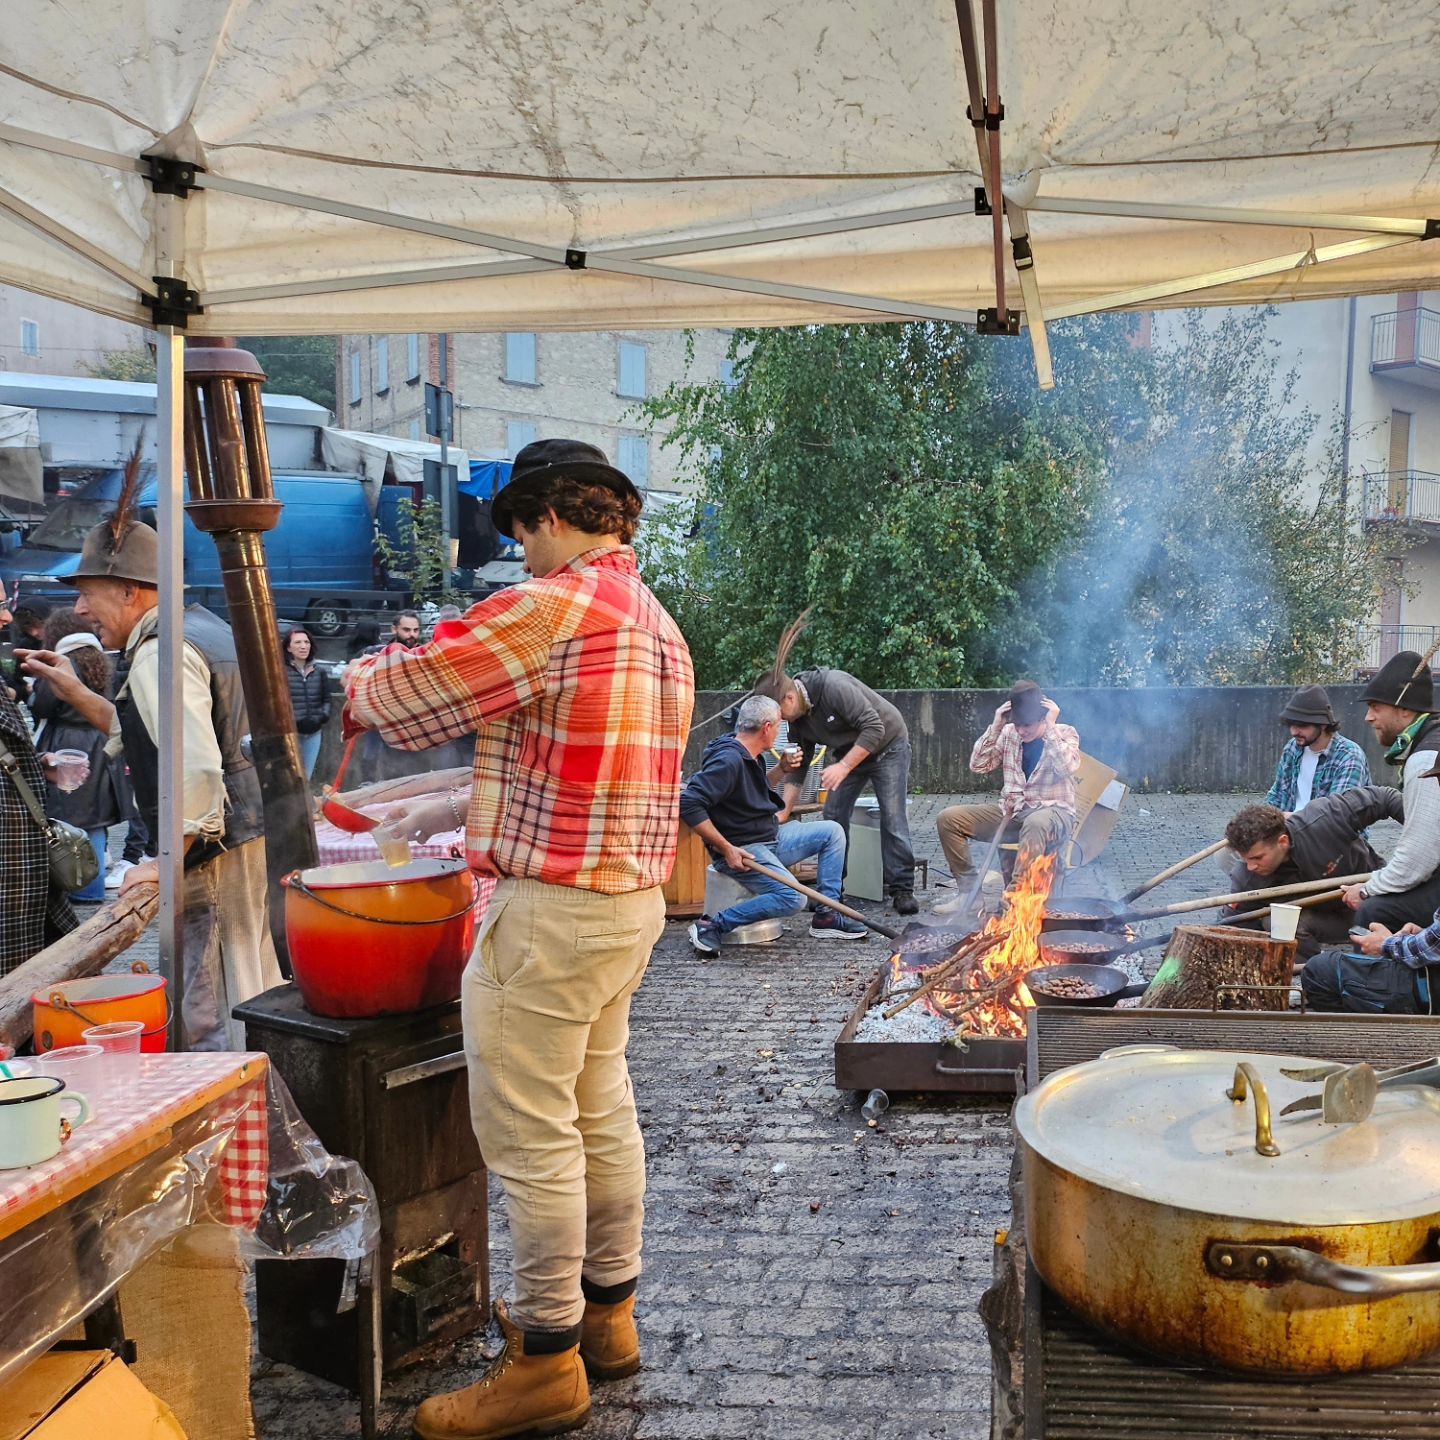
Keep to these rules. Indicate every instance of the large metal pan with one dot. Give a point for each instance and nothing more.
(1106, 984)
(1083, 912)
(1166, 1205)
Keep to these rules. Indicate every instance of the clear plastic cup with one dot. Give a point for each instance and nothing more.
(81, 1067)
(72, 768)
(394, 849)
(120, 1044)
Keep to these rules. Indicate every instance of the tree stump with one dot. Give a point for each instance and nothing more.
(1203, 958)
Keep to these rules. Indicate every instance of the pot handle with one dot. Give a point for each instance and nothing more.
(1294, 1262)
(1247, 1080)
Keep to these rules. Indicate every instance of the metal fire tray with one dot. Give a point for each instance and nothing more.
(1080, 1385)
(987, 1065)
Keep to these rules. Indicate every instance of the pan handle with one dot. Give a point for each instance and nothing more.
(941, 1068)
(1294, 1262)
(1248, 1081)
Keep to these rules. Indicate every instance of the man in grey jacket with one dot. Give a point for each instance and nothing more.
(867, 744)
(1325, 838)
(1399, 706)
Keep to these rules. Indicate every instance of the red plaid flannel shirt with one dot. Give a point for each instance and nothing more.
(579, 687)
(1051, 782)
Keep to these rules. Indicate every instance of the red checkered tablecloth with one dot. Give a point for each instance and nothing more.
(228, 1087)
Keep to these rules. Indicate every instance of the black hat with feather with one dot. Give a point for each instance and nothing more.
(122, 547)
(775, 682)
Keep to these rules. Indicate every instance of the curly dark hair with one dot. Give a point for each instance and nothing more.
(91, 665)
(595, 509)
(1252, 825)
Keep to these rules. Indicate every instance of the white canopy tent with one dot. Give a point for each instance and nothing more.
(382, 166)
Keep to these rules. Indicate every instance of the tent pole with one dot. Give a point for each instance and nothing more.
(1127, 299)
(1218, 214)
(169, 843)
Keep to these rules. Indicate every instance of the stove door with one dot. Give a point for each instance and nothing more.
(417, 1119)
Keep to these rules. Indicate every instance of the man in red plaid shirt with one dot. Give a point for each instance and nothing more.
(579, 689)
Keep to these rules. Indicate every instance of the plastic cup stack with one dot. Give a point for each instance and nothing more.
(120, 1046)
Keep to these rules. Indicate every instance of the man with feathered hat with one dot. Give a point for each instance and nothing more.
(229, 955)
(867, 742)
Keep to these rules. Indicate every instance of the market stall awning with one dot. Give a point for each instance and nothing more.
(387, 167)
(22, 470)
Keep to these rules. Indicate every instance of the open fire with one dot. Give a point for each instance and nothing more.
(979, 986)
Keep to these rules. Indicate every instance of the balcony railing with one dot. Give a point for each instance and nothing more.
(1405, 337)
(1379, 642)
(1412, 496)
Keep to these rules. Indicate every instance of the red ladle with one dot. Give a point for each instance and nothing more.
(340, 815)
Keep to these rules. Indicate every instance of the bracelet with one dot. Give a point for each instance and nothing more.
(455, 811)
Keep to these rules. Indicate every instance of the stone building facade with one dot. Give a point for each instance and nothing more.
(513, 388)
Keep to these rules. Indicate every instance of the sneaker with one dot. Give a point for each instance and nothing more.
(117, 872)
(957, 901)
(705, 936)
(832, 925)
(905, 902)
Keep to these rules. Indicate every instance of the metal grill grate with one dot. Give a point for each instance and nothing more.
(1079, 1385)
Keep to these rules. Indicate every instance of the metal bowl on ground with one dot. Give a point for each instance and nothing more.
(374, 939)
(758, 932)
(1166, 1205)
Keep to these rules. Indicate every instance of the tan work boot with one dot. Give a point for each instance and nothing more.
(535, 1386)
(609, 1341)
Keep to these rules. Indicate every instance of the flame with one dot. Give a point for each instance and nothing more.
(1020, 924)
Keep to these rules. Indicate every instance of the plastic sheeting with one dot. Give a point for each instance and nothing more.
(53, 1271)
(22, 473)
(683, 148)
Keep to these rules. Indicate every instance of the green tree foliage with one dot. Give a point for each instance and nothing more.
(137, 364)
(875, 471)
(296, 365)
(1149, 521)
(421, 554)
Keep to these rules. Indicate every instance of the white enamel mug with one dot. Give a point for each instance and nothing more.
(32, 1127)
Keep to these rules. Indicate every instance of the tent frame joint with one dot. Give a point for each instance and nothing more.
(987, 120)
(990, 322)
(1432, 228)
(168, 176)
(982, 201)
(173, 303)
(575, 260)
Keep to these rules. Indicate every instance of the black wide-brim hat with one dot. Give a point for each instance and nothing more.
(544, 460)
(1027, 704)
(1392, 684)
(1309, 705)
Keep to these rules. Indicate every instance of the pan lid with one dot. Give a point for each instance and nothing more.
(1162, 1127)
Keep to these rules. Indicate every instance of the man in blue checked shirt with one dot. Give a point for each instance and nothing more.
(1386, 974)
(1316, 760)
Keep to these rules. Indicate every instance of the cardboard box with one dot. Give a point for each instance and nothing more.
(82, 1395)
(1098, 797)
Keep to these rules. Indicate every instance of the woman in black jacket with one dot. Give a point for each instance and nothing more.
(95, 805)
(309, 695)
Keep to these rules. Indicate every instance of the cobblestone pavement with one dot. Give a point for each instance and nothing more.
(806, 1276)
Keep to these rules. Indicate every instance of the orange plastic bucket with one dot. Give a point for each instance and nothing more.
(69, 1007)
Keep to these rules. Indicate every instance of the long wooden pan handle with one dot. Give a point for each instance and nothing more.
(1241, 897)
(1173, 870)
(1323, 898)
(781, 878)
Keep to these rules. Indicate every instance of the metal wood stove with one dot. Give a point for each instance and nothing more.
(390, 1092)
(1080, 1385)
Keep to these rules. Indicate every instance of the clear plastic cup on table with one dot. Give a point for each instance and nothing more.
(120, 1043)
(81, 1067)
(72, 768)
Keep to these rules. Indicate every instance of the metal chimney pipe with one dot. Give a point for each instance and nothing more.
(228, 461)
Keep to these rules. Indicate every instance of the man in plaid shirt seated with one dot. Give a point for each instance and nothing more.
(1317, 760)
(578, 687)
(1038, 760)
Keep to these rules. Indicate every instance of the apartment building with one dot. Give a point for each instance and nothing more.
(40, 336)
(513, 388)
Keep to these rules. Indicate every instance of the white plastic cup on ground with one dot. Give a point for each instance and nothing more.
(72, 768)
(1284, 921)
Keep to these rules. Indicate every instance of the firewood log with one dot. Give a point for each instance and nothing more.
(1201, 958)
(407, 787)
(84, 951)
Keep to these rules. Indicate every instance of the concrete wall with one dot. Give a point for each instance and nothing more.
(1201, 739)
